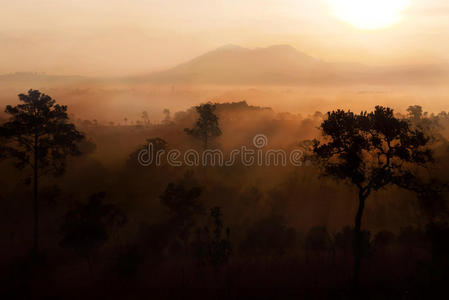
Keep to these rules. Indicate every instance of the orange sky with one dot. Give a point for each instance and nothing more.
(120, 37)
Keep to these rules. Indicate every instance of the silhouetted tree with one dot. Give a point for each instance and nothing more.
(438, 234)
(220, 247)
(415, 112)
(410, 239)
(213, 245)
(183, 205)
(269, 236)
(206, 127)
(87, 123)
(40, 136)
(431, 200)
(157, 144)
(429, 124)
(87, 146)
(145, 118)
(2, 145)
(318, 240)
(370, 151)
(383, 241)
(344, 241)
(167, 117)
(88, 226)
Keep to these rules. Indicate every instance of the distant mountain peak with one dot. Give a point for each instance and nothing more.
(281, 47)
(274, 48)
(230, 47)
(280, 64)
(235, 64)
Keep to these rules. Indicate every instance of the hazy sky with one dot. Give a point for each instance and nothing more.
(113, 37)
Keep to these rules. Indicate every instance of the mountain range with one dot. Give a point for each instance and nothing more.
(274, 65)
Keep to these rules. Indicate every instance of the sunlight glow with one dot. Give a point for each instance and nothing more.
(369, 14)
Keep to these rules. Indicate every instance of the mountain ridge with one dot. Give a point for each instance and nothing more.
(284, 65)
(279, 64)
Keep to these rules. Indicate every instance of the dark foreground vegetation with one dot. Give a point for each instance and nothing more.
(364, 217)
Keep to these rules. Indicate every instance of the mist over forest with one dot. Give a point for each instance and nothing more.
(262, 217)
(224, 149)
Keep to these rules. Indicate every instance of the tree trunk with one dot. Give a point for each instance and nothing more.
(183, 285)
(358, 240)
(228, 282)
(205, 142)
(35, 201)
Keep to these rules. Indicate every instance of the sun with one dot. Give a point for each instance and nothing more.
(369, 14)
